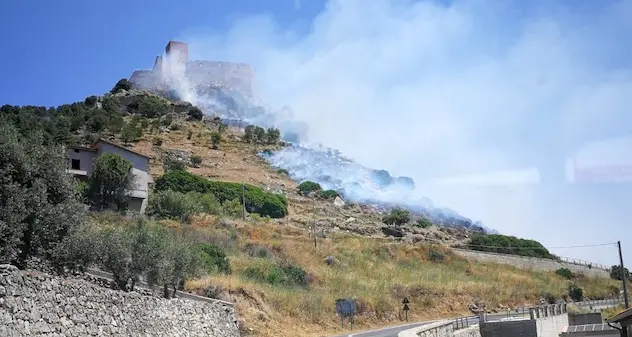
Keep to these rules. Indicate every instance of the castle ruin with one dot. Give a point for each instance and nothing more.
(176, 66)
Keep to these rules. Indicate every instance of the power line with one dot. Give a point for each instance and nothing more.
(541, 247)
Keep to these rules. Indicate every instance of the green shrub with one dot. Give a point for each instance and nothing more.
(575, 292)
(254, 250)
(272, 135)
(131, 132)
(257, 201)
(216, 139)
(171, 163)
(397, 217)
(289, 276)
(157, 141)
(233, 208)
(307, 187)
(152, 106)
(90, 100)
(509, 245)
(195, 113)
(564, 273)
(423, 223)
(213, 258)
(615, 273)
(328, 194)
(549, 298)
(196, 160)
(181, 206)
(122, 84)
(435, 256)
(283, 171)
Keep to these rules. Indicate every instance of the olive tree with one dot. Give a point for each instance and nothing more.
(110, 182)
(38, 199)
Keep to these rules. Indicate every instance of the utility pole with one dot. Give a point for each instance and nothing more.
(314, 220)
(243, 201)
(623, 277)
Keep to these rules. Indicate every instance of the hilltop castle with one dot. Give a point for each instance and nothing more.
(175, 66)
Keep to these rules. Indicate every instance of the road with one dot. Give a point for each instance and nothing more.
(392, 331)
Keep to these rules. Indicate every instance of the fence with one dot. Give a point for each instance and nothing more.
(583, 263)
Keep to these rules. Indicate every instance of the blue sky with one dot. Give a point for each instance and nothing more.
(426, 89)
(62, 51)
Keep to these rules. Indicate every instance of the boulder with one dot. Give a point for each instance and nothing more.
(339, 202)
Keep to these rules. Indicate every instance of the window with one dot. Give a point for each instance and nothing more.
(75, 164)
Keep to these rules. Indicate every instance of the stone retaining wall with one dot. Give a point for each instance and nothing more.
(33, 303)
(530, 262)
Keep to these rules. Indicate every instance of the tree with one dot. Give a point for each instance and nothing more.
(397, 217)
(110, 182)
(90, 100)
(259, 134)
(273, 135)
(152, 106)
(38, 204)
(216, 139)
(171, 163)
(122, 84)
(615, 272)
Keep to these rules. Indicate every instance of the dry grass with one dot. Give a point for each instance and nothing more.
(377, 273)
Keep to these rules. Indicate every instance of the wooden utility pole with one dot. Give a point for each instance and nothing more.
(623, 277)
(243, 201)
(314, 220)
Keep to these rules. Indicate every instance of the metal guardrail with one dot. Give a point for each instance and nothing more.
(463, 322)
(559, 258)
(143, 285)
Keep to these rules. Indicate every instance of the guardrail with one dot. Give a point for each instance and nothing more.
(143, 285)
(559, 258)
(583, 263)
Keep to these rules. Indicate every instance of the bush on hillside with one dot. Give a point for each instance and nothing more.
(575, 292)
(216, 139)
(181, 206)
(509, 245)
(90, 100)
(233, 208)
(328, 194)
(257, 201)
(122, 84)
(213, 258)
(272, 136)
(397, 217)
(289, 275)
(565, 273)
(423, 223)
(308, 187)
(283, 171)
(615, 273)
(151, 106)
(130, 133)
(195, 114)
(196, 160)
(171, 163)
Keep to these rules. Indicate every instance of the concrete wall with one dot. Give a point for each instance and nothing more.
(85, 159)
(37, 304)
(473, 331)
(552, 326)
(531, 262)
(581, 319)
(525, 328)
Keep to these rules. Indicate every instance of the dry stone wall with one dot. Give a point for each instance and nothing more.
(37, 304)
(531, 262)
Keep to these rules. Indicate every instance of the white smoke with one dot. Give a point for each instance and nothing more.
(434, 90)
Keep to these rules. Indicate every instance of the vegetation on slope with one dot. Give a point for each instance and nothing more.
(504, 244)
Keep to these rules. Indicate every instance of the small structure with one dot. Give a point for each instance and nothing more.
(624, 320)
(80, 160)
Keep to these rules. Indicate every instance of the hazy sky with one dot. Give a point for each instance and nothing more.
(426, 89)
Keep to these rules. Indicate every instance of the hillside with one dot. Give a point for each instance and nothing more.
(282, 285)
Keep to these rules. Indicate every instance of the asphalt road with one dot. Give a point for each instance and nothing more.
(472, 320)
